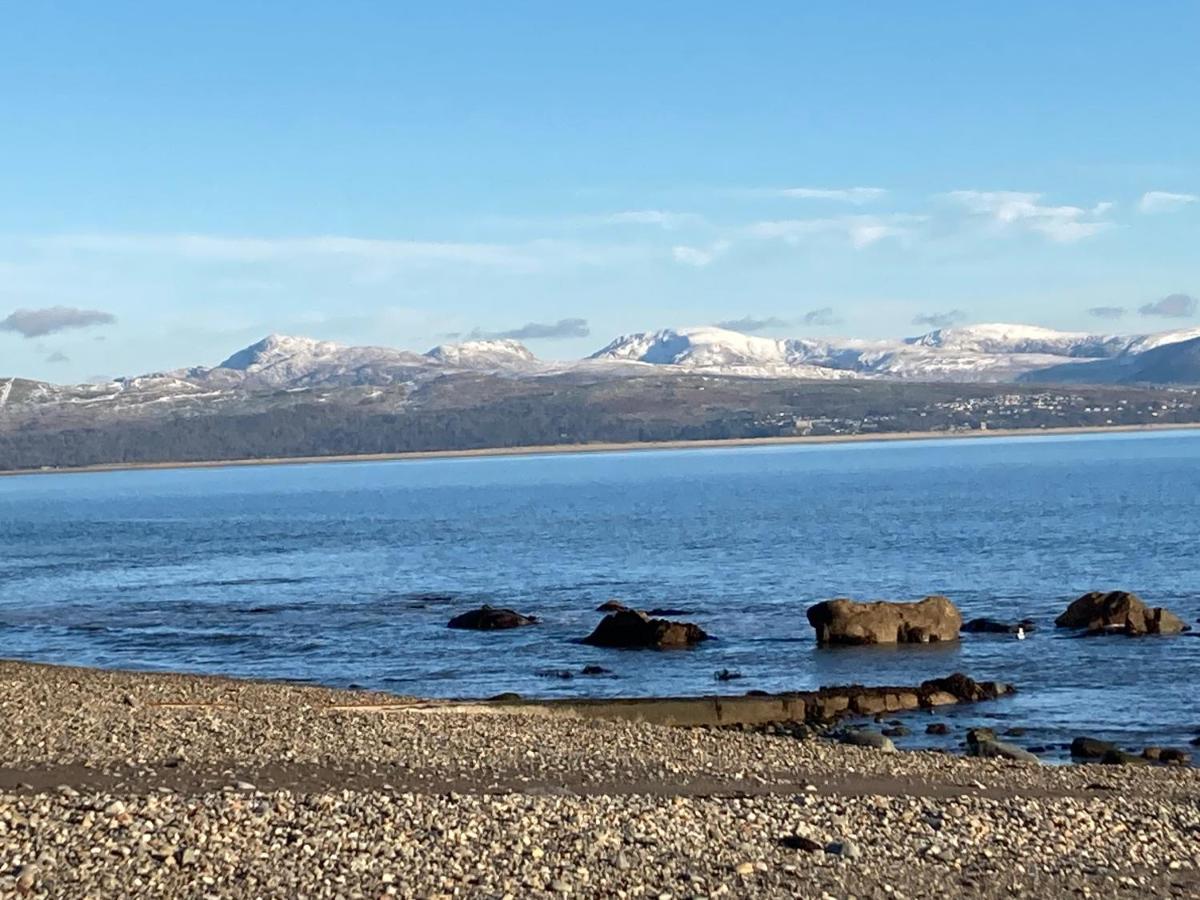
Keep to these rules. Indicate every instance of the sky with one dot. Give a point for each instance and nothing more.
(179, 180)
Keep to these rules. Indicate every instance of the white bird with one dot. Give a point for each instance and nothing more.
(1020, 633)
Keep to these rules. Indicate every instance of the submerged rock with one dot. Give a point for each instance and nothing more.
(1168, 755)
(844, 621)
(1116, 757)
(994, 626)
(1119, 612)
(489, 618)
(633, 629)
(1090, 748)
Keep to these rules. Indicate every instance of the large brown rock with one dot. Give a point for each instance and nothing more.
(1119, 612)
(884, 622)
(961, 688)
(489, 618)
(631, 628)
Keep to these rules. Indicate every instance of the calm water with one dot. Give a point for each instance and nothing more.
(325, 573)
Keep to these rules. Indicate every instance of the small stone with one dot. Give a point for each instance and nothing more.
(800, 842)
(744, 869)
(845, 849)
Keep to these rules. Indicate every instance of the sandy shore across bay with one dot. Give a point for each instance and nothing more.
(124, 784)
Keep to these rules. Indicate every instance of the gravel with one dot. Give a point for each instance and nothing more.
(117, 784)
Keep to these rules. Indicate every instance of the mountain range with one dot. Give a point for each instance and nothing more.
(975, 354)
(294, 396)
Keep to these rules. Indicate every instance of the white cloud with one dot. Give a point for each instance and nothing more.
(1024, 210)
(855, 195)
(664, 219)
(698, 256)
(1165, 202)
(254, 249)
(860, 231)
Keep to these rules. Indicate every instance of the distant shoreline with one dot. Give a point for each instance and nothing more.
(616, 447)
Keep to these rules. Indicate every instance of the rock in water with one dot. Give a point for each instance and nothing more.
(1120, 612)
(982, 742)
(883, 622)
(611, 606)
(1121, 758)
(630, 628)
(1090, 748)
(488, 618)
(992, 626)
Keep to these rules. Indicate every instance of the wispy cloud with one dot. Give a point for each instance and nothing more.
(940, 319)
(58, 357)
(855, 195)
(33, 323)
(823, 317)
(533, 331)
(258, 249)
(860, 231)
(1165, 201)
(752, 325)
(1107, 312)
(1019, 210)
(664, 219)
(698, 256)
(1173, 306)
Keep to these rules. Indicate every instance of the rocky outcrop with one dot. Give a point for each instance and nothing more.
(632, 629)
(489, 618)
(816, 708)
(609, 606)
(1090, 748)
(1119, 612)
(983, 742)
(863, 737)
(994, 626)
(963, 689)
(883, 622)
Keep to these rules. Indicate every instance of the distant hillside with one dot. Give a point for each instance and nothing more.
(486, 410)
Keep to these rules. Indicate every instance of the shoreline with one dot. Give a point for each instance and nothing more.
(620, 447)
(123, 784)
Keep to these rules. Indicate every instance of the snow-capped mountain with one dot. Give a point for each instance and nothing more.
(1023, 339)
(262, 373)
(978, 353)
(492, 354)
(283, 361)
(711, 349)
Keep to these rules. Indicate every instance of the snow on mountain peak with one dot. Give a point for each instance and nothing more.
(482, 354)
(708, 347)
(276, 347)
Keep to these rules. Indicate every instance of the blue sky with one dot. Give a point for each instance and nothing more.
(178, 180)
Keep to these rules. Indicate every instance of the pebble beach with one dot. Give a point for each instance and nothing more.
(120, 784)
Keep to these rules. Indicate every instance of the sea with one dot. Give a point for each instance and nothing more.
(345, 574)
